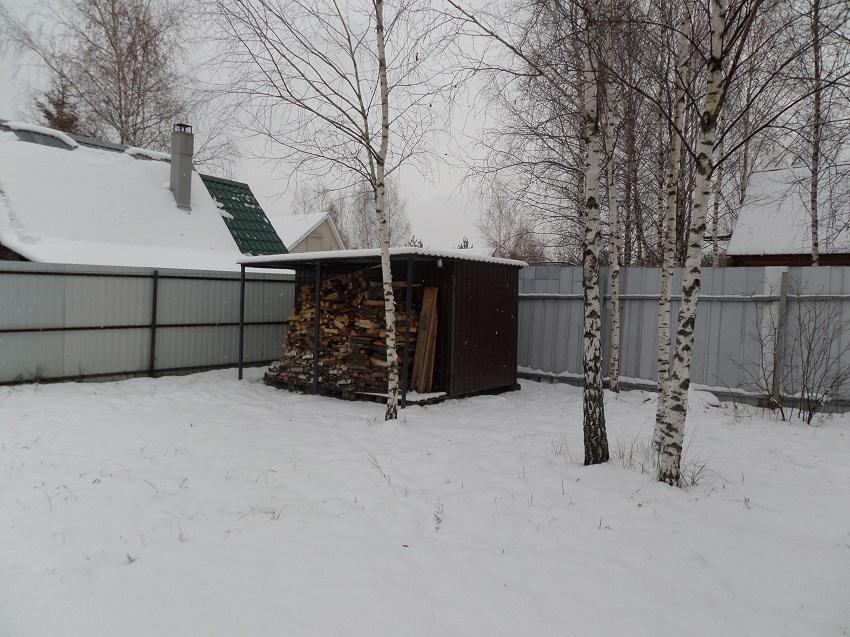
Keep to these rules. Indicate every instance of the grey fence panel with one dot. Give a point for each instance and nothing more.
(731, 333)
(63, 321)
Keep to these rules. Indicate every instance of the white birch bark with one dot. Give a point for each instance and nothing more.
(715, 216)
(613, 217)
(816, 129)
(673, 432)
(669, 253)
(383, 230)
(595, 436)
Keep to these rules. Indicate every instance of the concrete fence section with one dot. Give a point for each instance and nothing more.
(749, 321)
(68, 322)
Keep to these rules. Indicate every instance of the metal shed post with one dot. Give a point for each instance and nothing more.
(407, 308)
(241, 319)
(317, 292)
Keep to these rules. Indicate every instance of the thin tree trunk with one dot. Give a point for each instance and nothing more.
(595, 437)
(613, 215)
(673, 433)
(715, 217)
(669, 254)
(383, 230)
(816, 129)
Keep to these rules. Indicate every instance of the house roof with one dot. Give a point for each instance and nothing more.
(251, 229)
(776, 218)
(294, 228)
(367, 256)
(69, 199)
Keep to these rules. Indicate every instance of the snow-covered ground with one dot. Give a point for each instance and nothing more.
(199, 505)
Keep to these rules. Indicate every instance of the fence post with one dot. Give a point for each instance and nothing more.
(779, 339)
(154, 298)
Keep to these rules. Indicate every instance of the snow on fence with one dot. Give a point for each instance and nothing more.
(744, 314)
(67, 321)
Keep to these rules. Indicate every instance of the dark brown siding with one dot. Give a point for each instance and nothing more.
(484, 348)
(759, 260)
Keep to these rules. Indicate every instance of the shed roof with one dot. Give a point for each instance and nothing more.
(369, 256)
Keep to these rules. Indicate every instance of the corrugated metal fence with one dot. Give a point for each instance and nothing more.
(739, 309)
(62, 321)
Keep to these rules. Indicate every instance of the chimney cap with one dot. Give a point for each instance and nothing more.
(182, 128)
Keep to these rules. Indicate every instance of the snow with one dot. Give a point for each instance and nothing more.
(98, 207)
(464, 255)
(294, 228)
(146, 153)
(43, 130)
(775, 218)
(199, 505)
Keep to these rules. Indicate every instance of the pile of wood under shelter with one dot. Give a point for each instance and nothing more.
(352, 337)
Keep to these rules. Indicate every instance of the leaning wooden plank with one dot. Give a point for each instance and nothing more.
(430, 354)
(428, 385)
(420, 356)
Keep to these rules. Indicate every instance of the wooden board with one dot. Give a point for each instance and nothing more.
(423, 360)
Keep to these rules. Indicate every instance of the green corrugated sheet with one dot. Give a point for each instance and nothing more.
(250, 227)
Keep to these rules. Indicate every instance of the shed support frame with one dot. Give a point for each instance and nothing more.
(241, 319)
(317, 298)
(408, 307)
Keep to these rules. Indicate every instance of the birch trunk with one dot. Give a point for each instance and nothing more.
(383, 230)
(673, 432)
(715, 217)
(595, 437)
(816, 129)
(669, 253)
(613, 219)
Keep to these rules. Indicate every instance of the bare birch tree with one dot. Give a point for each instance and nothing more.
(588, 44)
(683, 43)
(338, 89)
(595, 438)
(117, 59)
(122, 63)
(615, 230)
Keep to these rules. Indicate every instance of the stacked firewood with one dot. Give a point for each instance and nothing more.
(352, 336)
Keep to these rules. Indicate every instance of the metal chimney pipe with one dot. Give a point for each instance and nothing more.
(182, 149)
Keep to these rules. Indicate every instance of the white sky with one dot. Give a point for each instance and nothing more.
(441, 209)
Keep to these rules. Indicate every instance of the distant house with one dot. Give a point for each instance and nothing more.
(774, 226)
(71, 199)
(309, 233)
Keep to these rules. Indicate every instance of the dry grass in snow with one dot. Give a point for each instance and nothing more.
(203, 506)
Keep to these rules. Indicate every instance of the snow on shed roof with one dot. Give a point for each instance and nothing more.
(776, 218)
(270, 260)
(85, 205)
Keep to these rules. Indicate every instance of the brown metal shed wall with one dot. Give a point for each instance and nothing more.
(484, 355)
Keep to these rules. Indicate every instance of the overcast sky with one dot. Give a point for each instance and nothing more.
(441, 209)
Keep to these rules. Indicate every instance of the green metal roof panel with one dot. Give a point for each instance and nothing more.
(250, 227)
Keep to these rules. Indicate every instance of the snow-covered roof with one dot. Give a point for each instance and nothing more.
(79, 204)
(354, 255)
(293, 229)
(776, 220)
